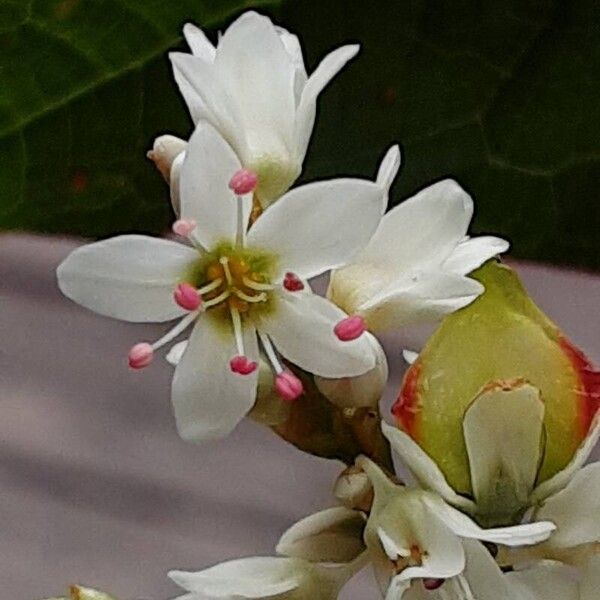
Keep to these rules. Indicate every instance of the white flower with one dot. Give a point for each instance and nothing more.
(503, 432)
(236, 287)
(551, 580)
(253, 87)
(260, 577)
(413, 534)
(321, 553)
(414, 268)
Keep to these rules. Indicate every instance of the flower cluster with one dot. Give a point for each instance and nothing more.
(496, 416)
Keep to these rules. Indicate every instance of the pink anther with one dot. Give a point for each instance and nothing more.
(288, 386)
(350, 328)
(140, 355)
(187, 297)
(243, 182)
(184, 227)
(292, 283)
(433, 584)
(242, 365)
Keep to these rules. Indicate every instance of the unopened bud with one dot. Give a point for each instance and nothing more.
(353, 489)
(165, 150)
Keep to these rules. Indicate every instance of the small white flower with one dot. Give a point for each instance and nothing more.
(236, 287)
(260, 577)
(503, 432)
(415, 267)
(414, 534)
(321, 553)
(253, 87)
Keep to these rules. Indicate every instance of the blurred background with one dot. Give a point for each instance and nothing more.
(502, 95)
(96, 485)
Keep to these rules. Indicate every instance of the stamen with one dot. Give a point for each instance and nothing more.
(239, 234)
(209, 287)
(255, 285)
(237, 329)
(350, 328)
(140, 355)
(187, 297)
(270, 352)
(292, 283)
(243, 182)
(220, 298)
(173, 333)
(184, 227)
(242, 365)
(225, 262)
(252, 299)
(288, 386)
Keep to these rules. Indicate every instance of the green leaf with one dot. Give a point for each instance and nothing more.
(502, 96)
(85, 86)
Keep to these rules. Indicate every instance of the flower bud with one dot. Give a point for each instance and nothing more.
(361, 391)
(354, 489)
(502, 336)
(165, 150)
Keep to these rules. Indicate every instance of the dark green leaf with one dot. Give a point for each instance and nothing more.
(84, 87)
(502, 96)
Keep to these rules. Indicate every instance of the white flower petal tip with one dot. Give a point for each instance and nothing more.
(350, 328)
(388, 169)
(140, 355)
(175, 353)
(410, 356)
(354, 489)
(243, 182)
(288, 386)
(187, 296)
(242, 365)
(184, 227)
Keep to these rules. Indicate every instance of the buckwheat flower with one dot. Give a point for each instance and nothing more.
(241, 290)
(253, 87)
(414, 534)
(415, 267)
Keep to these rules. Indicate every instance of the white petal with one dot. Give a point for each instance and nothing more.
(204, 187)
(292, 45)
(258, 71)
(199, 44)
(332, 536)
(363, 390)
(503, 431)
(562, 478)
(546, 580)
(422, 232)
(427, 296)
(207, 98)
(208, 398)
(408, 521)
(175, 354)
(422, 467)
(301, 327)
(174, 177)
(483, 576)
(518, 535)
(319, 226)
(388, 169)
(328, 68)
(130, 277)
(575, 509)
(472, 253)
(397, 590)
(590, 583)
(254, 577)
